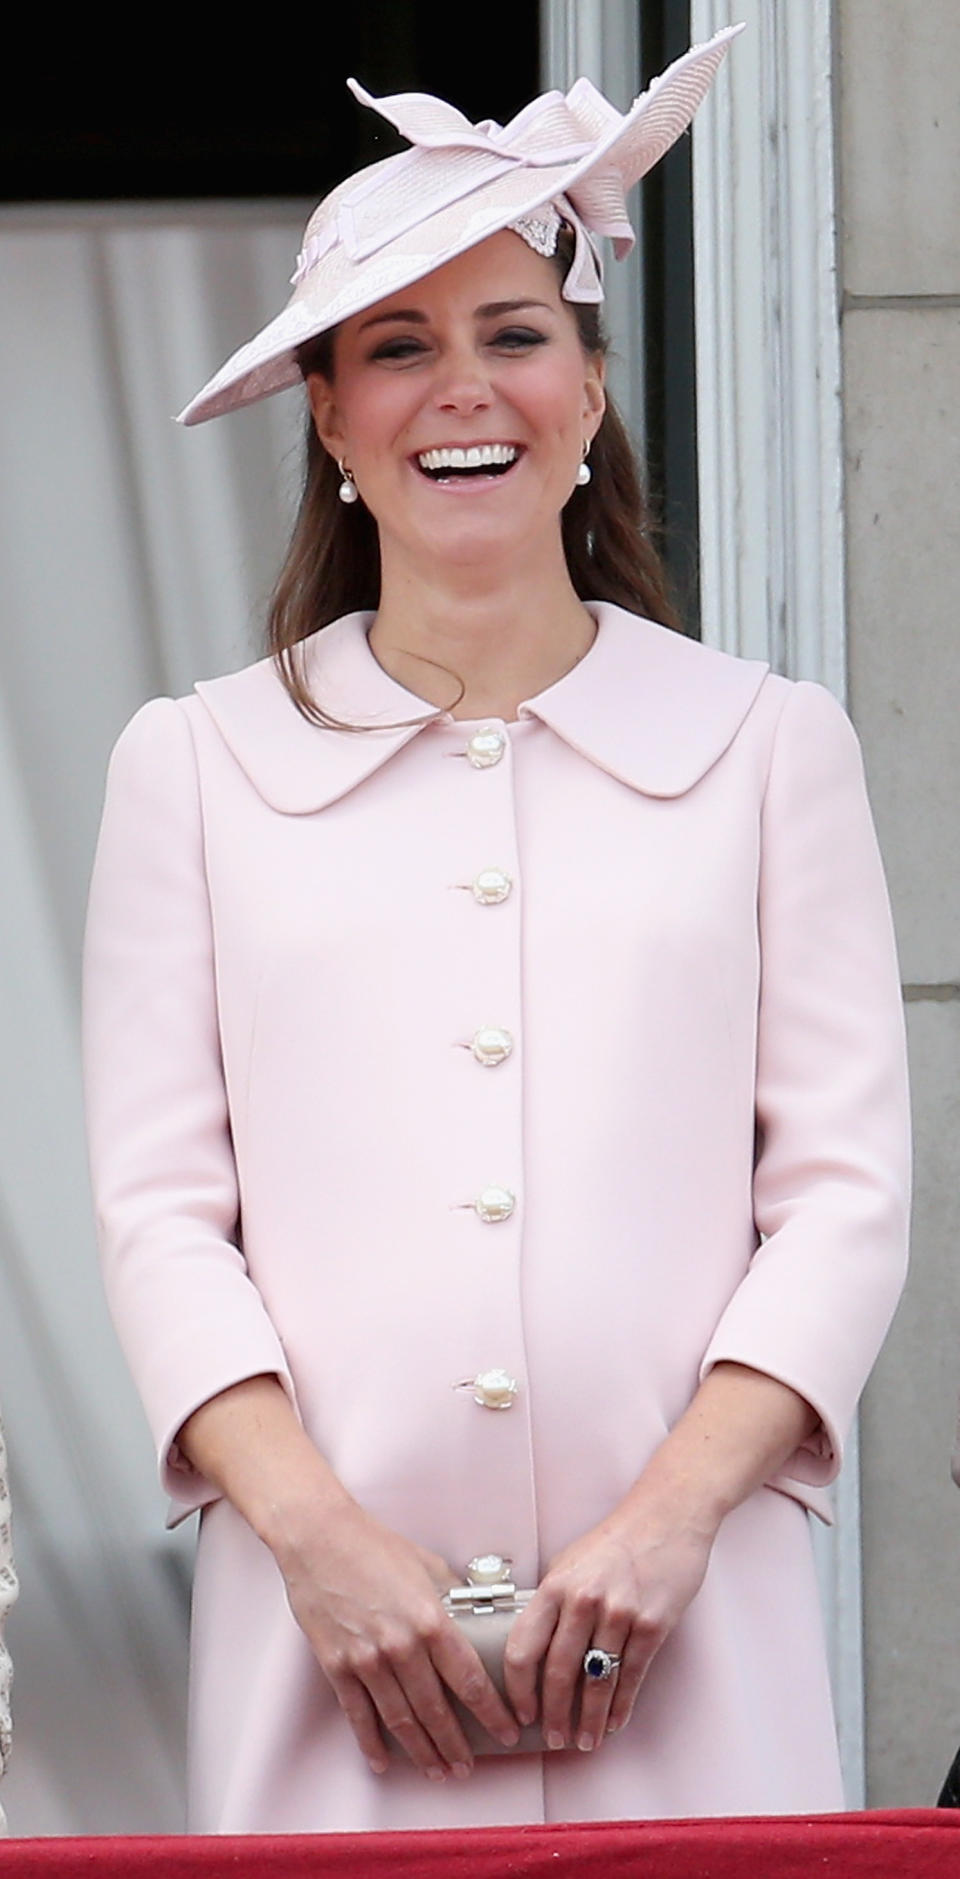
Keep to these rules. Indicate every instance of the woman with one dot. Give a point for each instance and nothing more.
(516, 975)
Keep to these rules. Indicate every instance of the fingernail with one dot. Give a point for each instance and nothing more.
(510, 1738)
(612, 1727)
(555, 1740)
(434, 1774)
(526, 1716)
(461, 1770)
(585, 1742)
(378, 1768)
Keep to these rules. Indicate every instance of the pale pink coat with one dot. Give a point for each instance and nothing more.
(286, 966)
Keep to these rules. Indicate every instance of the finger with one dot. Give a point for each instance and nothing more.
(360, 1713)
(562, 1669)
(441, 1575)
(462, 1671)
(597, 1693)
(430, 1704)
(640, 1650)
(397, 1717)
(526, 1648)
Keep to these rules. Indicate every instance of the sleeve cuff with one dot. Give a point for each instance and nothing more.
(187, 1488)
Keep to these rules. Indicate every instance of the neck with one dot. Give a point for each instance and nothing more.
(504, 635)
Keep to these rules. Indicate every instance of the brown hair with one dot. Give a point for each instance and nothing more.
(332, 565)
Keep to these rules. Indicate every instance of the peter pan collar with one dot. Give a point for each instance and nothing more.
(653, 709)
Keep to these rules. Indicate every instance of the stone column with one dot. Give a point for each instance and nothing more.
(899, 123)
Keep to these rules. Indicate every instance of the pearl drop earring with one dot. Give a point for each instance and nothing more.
(348, 491)
(584, 471)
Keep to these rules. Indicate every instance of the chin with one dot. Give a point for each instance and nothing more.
(479, 542)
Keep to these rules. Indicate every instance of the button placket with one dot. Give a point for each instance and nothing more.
(491, 960)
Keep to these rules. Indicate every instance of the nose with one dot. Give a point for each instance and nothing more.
(463, 384)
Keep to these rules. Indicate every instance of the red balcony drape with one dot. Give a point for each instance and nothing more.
(920, 1844)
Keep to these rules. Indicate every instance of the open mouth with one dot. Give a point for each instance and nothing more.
(460, 464)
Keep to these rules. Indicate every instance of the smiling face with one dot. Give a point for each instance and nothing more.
(462, 405)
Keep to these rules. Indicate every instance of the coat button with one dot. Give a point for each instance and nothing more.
(490, 1045)
(491, 886)
(494, 1389)
(488, 1569)
(486, 747)
(495, 1203)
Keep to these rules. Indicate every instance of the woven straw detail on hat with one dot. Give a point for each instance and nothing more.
(459, 183)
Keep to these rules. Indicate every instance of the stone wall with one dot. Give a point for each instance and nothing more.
(898, 107)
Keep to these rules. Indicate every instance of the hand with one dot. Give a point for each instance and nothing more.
(369, 1603)
(622, 1587)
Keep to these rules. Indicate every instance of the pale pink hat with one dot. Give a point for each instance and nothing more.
(562, 158)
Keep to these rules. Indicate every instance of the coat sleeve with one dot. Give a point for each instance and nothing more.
(164, 1181)
(832, 1174)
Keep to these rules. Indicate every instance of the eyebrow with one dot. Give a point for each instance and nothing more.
(492, 310)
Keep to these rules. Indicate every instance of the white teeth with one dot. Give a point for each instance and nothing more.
(477, 457)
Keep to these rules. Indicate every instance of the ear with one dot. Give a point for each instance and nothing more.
(326, 418)
(594, 396)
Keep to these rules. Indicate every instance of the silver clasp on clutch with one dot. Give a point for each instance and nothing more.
(488, 1586)
(482, 1599)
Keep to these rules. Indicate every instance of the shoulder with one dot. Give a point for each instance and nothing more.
(245, 729)
(814, 751)
(152, 797)
(155, 746)
(168, 737)
(655, 708)
(661, 710)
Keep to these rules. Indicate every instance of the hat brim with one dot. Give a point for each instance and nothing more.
(336, 288)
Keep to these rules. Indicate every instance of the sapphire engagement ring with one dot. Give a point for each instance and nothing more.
(600, 1665)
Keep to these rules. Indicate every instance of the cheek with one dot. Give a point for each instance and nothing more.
(556, 397)
(373, 417)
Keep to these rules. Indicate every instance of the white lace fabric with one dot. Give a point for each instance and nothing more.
(8, 1593)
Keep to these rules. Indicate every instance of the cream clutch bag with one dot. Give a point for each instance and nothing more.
(484, 1609)
(485, 1613)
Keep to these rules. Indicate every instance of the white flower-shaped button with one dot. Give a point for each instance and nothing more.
(491, 1045)
(486, 747)
(494, 1204)
(491, 886)
(494, 1389)
(488, 1569)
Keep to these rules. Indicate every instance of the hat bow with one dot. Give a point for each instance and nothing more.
(451, 158)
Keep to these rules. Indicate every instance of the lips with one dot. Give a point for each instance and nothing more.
(456, 462)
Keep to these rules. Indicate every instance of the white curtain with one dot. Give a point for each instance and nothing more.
(135, 557)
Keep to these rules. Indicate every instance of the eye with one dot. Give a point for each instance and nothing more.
(401, 348)
(518, 338)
